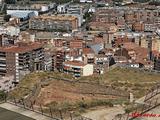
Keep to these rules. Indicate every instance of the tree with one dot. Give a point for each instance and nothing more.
(7, 17)
(2, 95)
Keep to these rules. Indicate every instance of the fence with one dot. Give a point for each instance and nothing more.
(55, 115)
(103, 90)
(29, 102)
(3, 98)
(151, 101)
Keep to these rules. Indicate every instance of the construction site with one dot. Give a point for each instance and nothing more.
(68, 98)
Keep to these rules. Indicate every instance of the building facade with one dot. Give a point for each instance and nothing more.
(21, 59)
(57, 23)
(77, 69)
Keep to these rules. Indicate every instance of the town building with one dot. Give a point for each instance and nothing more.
(57, 23)
(88, 56)
(20, 59)
(57, 60)
(86, 1)
(77, 69)
(37, 8)
(62, 8)
(157, 63)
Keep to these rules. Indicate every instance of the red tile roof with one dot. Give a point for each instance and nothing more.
(87, 51)
(21, 49)
(98, 40)
(74, 63)
(141, 53)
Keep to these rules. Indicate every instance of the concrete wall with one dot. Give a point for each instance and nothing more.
(87, 70)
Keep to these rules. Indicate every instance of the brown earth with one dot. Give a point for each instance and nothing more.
(61, 91)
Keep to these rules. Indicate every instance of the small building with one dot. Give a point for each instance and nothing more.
(135, 65)
(86, 1)
(13, 30)
(102, 59)
(62, 8)
(22, 15)
(120, 59)
(88, 55)
(77, 69)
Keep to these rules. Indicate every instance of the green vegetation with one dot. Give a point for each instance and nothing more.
(30, 81)
(141, 1)
(101, 5)
(155, 2)
(81, 106)
(88, 16)
(117, 0)
(123, 75)
(130, 80)
(2, 95)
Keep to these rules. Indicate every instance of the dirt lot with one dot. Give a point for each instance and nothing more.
(85, 92)
(104, 113)
(60, 91)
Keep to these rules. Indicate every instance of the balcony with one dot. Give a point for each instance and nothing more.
(2, 58)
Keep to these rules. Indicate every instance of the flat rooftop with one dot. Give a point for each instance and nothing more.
(56, 17)
(9, 115)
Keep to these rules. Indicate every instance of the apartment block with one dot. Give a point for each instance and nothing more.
(157, 64)
(20, 59)
(77, 68)
(59, 23)
(144, 42)
(58, 59)
(138, 26)
(88, 56)
(156, 44)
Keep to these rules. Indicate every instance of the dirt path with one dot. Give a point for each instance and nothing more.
(104, 113)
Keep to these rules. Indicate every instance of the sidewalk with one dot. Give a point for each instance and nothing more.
(25, 112)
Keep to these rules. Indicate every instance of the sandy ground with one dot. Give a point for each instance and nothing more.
(104, 113)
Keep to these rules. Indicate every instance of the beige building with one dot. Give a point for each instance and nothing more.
(77, 68)
(156, 44)
(144, 42)
(59, 23)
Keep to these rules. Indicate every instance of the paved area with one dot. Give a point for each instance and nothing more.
(155, 111)
(9, 115)
(10, 111)
(105, 113)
